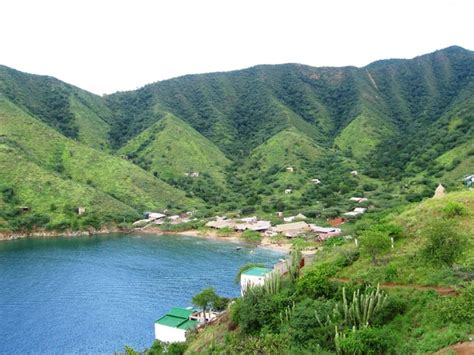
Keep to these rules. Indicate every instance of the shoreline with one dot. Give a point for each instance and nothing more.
(234, 237)
(4, 236)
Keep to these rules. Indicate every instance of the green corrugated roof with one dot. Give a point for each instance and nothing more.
(190, 323)
(180, 312)
(178, 318)
(257, 271)
(171, 321)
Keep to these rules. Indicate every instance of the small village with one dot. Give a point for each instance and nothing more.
(286, 226)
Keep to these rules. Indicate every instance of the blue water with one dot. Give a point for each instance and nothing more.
(97, 294)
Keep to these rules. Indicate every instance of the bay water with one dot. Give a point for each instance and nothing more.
(91, 295)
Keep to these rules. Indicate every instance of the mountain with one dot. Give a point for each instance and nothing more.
(404, 125)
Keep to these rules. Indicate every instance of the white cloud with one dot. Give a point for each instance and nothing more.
(105, 46)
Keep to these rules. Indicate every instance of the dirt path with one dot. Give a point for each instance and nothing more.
(465, 348)
(443, 291)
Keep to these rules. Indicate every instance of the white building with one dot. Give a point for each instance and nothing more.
(255, 276)
(359, 199)
(356, 212)
(172, 327)
(154, 215)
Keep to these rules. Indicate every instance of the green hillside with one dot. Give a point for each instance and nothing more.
(82, 176)
(389, 115)
(171, 148)
(424, 300)
(403, 125)
(71, 111)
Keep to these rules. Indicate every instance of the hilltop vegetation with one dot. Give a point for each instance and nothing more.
(403, 125)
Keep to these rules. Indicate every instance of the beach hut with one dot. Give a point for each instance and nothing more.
(172, 327)
(255, 276)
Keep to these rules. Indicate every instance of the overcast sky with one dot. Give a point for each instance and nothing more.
(106, 46)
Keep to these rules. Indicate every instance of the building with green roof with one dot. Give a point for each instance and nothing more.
(173, 325)
(257, 271)
(254, 276)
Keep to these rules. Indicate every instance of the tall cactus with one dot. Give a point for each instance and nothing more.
(272, 283)
(293, 264)
(286, 315)
(350, 316)
(363, 308)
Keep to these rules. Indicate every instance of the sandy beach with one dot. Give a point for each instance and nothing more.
(211, 234)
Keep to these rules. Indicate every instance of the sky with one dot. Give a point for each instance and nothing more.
(107, 46)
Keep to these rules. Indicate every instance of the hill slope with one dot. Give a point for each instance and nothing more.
(171, 148)
(82, 176)
(315, 311)
(71, 111)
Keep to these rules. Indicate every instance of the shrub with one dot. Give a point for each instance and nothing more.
(374, 243)
(168, 227)
(391, 272)
(394, 306)
(444, 243)
(457, 309)
(304, 326)
(258, 309)
(347, 258)
(251, 236)
(220, 303)
(392, 230)
(366, 341)
(268, 343)
(454, 209)
(29, 222)
(224, 232)
(156, 349)
(315, 283)
(176, 348)
(334, 241)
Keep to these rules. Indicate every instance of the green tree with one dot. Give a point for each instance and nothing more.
(205, 299)
(374, 242)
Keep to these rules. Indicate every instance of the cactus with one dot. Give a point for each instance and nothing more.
(363, 307)
(286, 315)
(293, 264)
(272, 283)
